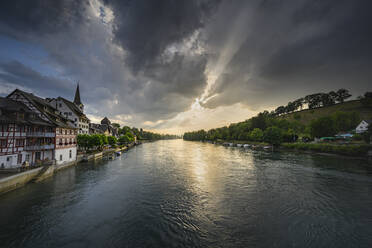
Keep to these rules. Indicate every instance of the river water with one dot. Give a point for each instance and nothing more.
(190, 194)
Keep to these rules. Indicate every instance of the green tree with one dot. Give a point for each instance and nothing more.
(342, 95)
(83, 140)
(95, 141)
(256, 135)
(322, 127)
(112, 140)
(344, 121)
(273, 135)
(124, 139)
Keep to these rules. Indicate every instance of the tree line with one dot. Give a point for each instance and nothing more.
(266, 127)
(313, 101)
(126, 136)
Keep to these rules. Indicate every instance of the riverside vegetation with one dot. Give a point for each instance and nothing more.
(278, 129)
(93, 142)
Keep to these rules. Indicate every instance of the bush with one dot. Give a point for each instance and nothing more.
(350, 150)
(357, 137)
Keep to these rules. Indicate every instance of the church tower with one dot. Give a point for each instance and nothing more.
(77, 100)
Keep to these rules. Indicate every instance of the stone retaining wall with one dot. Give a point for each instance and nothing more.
(18, 180)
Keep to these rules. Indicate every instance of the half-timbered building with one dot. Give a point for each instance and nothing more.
(64, 148)
(24, 137)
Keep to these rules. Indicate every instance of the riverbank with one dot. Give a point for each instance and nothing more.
(354, 150)
(349, 150)
(16, 180)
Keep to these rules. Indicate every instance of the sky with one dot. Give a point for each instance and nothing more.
(172, 66)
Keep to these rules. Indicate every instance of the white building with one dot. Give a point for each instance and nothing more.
(74, 111)
(363, 126)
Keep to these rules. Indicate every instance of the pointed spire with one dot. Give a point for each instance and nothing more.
(77, 100)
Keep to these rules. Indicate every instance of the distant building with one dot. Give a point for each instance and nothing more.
(363, 126)
(74, 111)
(95, 128)
(104, 128)
(64, 149)
(24, 137)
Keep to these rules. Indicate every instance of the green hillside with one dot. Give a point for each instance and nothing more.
(307, 115)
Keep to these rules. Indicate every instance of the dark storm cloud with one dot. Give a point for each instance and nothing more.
(151, 59)
(140, 73)
(22, 76)
(183, 74)
(298, 47)
(40, 16)
(146, 28)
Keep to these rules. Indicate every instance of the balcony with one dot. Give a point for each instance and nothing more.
(41, 134)
(39, 147)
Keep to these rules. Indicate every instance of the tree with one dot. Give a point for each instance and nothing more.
(117, 125)
(322, 127)
(83, 140)
(367, 135)
(95, 141)
(280, 110)
(130, 136)
(327, 100)
(259, 121)
(344, 121)
(112, 140)
(256, 135)
(367, 99)
(273, 135)
(124, 139)
(342, 95)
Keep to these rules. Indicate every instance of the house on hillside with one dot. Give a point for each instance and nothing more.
(64, 149)
(74, 111)
(363, 126)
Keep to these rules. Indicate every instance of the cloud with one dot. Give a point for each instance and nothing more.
(147, 28)
(18, 75)
(294, 48)
(39, 16)
(147, 63)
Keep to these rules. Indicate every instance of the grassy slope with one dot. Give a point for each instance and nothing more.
(308, 115)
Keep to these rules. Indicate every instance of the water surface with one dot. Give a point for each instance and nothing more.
(190, 194)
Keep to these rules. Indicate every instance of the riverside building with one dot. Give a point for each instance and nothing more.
(24, 137)
(64, 149)
(74, 111)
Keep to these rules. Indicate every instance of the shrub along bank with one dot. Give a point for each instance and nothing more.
(349, 150)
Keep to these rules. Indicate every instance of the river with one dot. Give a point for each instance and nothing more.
(189, 194)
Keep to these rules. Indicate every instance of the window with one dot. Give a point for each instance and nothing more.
(70, 154)
(60, 157)
(60, 105)
(27, 158)
(37, 155)
(20, 142)
(3, 143)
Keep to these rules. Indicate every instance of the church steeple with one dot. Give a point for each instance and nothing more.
(77, 100)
